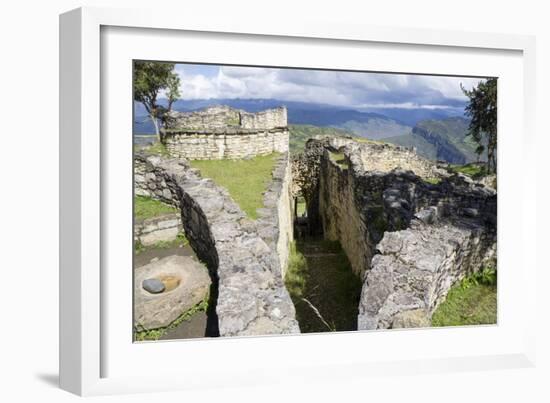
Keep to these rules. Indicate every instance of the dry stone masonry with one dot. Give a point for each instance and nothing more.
(274, 220)
(164, 228)
(222, 132)
(252, 298)
(409, 228)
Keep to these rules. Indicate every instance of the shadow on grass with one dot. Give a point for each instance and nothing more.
(323, 287)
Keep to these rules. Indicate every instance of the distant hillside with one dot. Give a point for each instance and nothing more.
(412, 116)
(444, 139)
(376, 128)
(381, 123)
(423, 147)
(299, 134)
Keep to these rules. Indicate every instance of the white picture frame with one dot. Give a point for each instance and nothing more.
(87, 349)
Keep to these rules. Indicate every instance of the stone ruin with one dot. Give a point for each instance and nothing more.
(409, 228)
(220, 132)
(246, 259)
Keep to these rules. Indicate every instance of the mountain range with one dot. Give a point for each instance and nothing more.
(435, 133)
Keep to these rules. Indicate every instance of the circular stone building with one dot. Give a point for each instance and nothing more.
(220, 132)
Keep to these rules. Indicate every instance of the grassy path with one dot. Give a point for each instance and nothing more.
(323, 288)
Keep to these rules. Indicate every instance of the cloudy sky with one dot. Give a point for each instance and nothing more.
(350, 89)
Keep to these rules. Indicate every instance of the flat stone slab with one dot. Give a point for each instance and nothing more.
(186, 283)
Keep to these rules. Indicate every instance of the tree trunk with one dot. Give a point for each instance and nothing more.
(156, 124)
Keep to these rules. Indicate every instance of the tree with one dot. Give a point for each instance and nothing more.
(150, 79)
(482, 109)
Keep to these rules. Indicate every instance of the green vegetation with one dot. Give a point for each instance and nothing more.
(423, 147)
(375, 128)
(146, 207)
(295, 278)
(433, 181)
(482, 109)
(157, 148)
(440, 139)
(180, 240)
(246, 180)
(473, 170)
(301, 207)
(471, 302)
(152, 79)
(155, 334)
(300, 134)
(322, 286)
(340, 159)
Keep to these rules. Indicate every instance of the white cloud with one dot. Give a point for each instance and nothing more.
(352, 89)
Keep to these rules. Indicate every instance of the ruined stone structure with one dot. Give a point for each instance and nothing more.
(222, 132)
(251, 297)
(158, 229)
(274, 220)
(415, 268)
(409, 229)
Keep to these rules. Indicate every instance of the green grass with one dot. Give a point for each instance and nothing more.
(155, 334)
(246, 180)
(471, 302)
(156, 148)
(180, 240)
(300, 134)
(295, 278)
(474, 171)
(320, 274)
(340, 159)
(146, 207)
(433, 181)
(301, 208)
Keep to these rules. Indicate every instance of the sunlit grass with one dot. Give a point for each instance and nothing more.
(246, 180)
(471, 302)
(146, 207)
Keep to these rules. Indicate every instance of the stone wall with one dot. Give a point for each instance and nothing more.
(275, 218)
(360, 197)
(415, 268)
(252, 298)
(223, 132)
(409, 229)
(387, 157)
(265, 120)
(164, 228)
(149, 181)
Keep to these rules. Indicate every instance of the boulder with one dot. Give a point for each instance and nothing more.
(186, 283)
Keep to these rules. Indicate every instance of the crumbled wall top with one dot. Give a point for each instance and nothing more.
(217, 118)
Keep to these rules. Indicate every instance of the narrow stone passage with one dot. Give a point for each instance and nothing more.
(328, 297)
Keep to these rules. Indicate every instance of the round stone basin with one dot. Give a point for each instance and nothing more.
(170, 282)
(186, 283)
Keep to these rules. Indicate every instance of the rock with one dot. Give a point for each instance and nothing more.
(153, 285)
(191, 283)
(411, 319)
(470, 212)
(252, 298)
(415, 269)
(427, 216)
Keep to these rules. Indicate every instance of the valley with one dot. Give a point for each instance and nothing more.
(436, 134)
